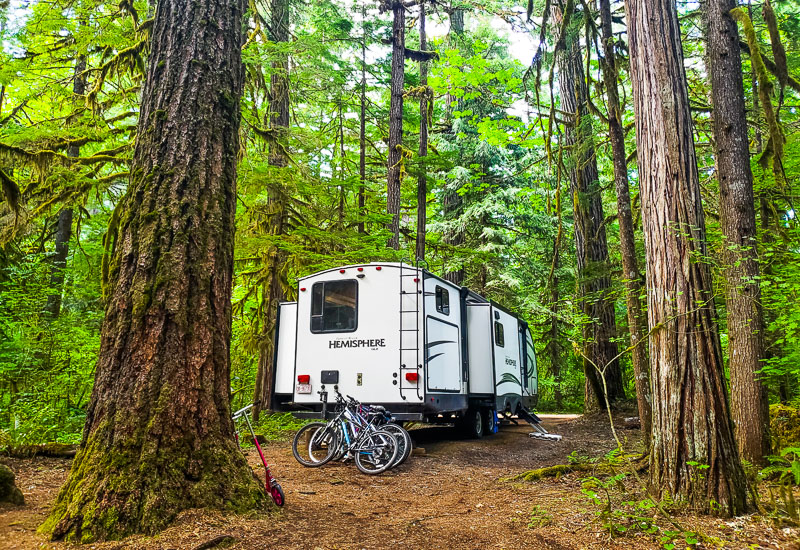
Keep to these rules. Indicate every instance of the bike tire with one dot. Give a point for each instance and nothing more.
(314, 444)
(377, 454)
(403, 440)
(276, 492)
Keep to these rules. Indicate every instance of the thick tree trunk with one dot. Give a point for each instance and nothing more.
(691, 418)
(422, 183)
(272, 292)
(630, 265)
(396, 122)
(64, 223)
(749, 406)
(594, 280)
(159, 437)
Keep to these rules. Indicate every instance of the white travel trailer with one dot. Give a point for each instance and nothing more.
(396, 335)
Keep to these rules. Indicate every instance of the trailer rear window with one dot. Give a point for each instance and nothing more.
(334, 306)
(442, 300)
(499, 338)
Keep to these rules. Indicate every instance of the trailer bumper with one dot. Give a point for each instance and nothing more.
(405, 417)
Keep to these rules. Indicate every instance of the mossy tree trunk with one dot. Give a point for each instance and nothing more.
(422, 182)
(749, 404)
(591, 246)
(158, 437)
(630, 265)
(396, 121)
(692, 427)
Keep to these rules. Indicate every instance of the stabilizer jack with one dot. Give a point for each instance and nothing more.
(539, 431)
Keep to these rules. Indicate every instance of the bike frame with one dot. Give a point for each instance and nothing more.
(271, 484)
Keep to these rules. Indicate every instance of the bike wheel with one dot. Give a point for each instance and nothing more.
(276, 492)
(376, 453)
(341, 448)
(403, 442)
(314, 444)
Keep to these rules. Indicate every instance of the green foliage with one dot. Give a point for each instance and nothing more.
(539, 517)
(625, 509)
(784, 426)
(47, 365)
(273, 427)
(498, 206)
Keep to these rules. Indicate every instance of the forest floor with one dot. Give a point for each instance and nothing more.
(451, 494)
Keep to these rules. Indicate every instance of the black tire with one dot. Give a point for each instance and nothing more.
(473, 424)
(315, 444)
(488, 422)
(403, 441)
(276, 492)
(378, 454)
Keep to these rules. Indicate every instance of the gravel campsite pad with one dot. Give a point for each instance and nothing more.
(451, 494)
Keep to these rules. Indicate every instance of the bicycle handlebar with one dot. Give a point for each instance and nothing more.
(240, 412)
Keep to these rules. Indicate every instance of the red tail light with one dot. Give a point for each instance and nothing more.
(412, 376)
(341, 271)
(303, 378)
(378, 268)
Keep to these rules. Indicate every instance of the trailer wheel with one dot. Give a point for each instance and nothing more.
(489, 421)
(473, 423)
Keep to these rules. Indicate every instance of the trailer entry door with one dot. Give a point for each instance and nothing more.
(443, 355)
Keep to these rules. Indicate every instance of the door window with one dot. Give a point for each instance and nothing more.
(499, 338)
(442, 300)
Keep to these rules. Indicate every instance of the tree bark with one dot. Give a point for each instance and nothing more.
(59, 260)
(749, 406)
(691, 418)
(553, 347)
(630, 265)
(279, 84)
(451, 200)
(422, 183)
(362, 132)
(272, 292)
(158, 437)
(64, 223)
(594, 280)
(396, 122)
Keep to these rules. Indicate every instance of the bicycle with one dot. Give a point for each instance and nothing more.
(271, 485)
(348, 435)
(383, 419)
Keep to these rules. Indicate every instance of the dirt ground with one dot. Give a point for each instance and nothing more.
(450, 495)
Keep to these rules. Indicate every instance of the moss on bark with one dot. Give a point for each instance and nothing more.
(158, 436)
(9, 492)
(129, 488)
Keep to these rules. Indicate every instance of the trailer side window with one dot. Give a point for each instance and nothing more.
(499, 339)
(442, 300)
(334, 306)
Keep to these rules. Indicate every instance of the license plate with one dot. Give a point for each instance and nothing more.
(303, 388)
